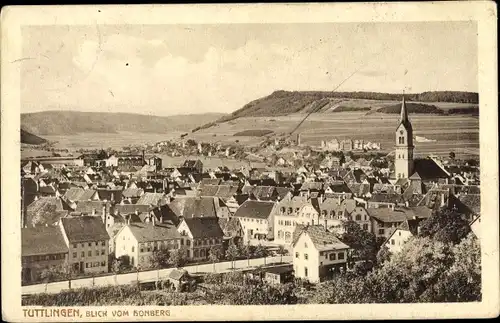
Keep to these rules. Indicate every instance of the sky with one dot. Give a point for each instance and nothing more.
(186, 69)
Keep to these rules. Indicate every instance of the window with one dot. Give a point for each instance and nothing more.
(365, 227)
(83, 254)
(133, 248)
(103, 252)
(341, 255)
(358, 217)
(333, 256)
(340, 213)
(142, 250)
(296, 255)
(381, 231)
(103, 243)
(90, 244)
(75, 245)
(306, 256)
(96, 243)
(188, 243)
(392, 241)
(86, 265)
(305, 271)
(74, 254)
(305, 244)
(103, 264)
(90, 253)
(399, 233)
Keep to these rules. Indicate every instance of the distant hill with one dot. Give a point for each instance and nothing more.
(31, 139)
(282, 103)
(74, 122)
(412, 108)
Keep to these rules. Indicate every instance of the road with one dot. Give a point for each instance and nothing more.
(123, 279)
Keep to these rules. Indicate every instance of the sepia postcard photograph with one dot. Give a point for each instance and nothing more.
(249, 162)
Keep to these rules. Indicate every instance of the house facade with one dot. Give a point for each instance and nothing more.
(88, 243)
(257, 220)
(138, 241)
(317, 253)
(42, 248)
(201, 234)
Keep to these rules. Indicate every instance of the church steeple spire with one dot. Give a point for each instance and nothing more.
(403, 118)
(404, 145)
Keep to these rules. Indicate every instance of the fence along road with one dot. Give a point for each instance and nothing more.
(151, 275)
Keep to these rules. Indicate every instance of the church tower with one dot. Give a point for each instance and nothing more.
(403, 160)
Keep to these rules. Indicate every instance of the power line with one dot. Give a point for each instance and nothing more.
(339, 85)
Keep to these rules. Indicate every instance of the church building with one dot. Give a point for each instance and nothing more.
(410, 170)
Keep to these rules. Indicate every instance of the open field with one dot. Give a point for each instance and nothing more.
(459, 133)
(104, 140)
(375, 104)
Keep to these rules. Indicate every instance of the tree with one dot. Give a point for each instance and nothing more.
(261, 252)
(445, 225)
(159, 258)
(452, 155)
(215, 255)
(463, 280)
(248, 251)
(383, 255)
(232, 253)
(115, 268)
(363, 243)
(282, 251)
(50, 274)
(178, 257)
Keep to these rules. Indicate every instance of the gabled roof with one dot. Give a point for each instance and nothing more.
(145, 232)
(42, 241)
(204, 227)
(189, 207)
(131, 208)
(79, 194)
(321, 238)
(45, 211)
(230, 226)
(132, 192)
(87, 207)
(84, 228)
(471, 201)
(386, 198)
(255, 209)
(177, 274)
(387, 214)
(428, 169)
(150, 199)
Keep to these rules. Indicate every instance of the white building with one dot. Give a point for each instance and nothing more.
(317, 253)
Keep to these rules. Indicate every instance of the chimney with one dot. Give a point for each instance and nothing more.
(128, 219)
(442, 200)
(326, 226)
(154, 219)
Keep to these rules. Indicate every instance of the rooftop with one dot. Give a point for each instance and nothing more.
(84, 228)
(42, 241)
